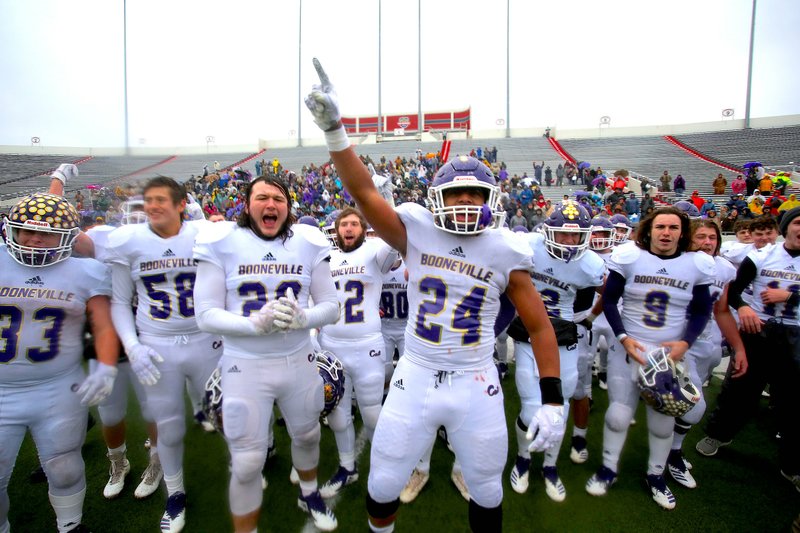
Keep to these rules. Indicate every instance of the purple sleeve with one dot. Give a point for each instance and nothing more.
(699, 312)
(505, 315)
(615, 286)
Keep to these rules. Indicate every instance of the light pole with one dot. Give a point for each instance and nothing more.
(209, 139)
(750, 68)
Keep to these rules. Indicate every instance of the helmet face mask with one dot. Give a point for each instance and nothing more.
(623, 228)
(665, 385)
(465, 218)
(332, 373)
(602, 235)
(568, 218)
(329, 229)
(212, 400)
(55, 219)
(133, 212)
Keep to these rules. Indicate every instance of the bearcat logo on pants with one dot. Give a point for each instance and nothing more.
(492, 390)
(216, 344)
(374, 353)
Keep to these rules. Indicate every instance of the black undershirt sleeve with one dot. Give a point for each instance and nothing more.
(615, 286)
(744, 276)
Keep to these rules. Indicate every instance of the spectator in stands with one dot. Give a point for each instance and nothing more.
(666, 181)
(781, 181)
(525, 195)
(696, 199)
(756, 205)
(711, 215)
(756, 194)
(739, 185)
(791, 203)
(647, 204)
(537, 218)
(548, 176)
(614, 198)
(632, 205)
(708, 206)
(729, 222)
(719, 184)
(537, 171)
(737, 202)
(518, 220)
(621, 179)
(679, 185)
(559, 175)
(217, 167)
(751, 181)
(765, 185)
(773, 204)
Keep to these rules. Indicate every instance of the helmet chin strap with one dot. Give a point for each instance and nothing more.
(485, 219)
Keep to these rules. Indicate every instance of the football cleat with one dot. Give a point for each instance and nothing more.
(709, 446)
(415, 484)
(600, 481)
(340, 480)
(174, 517)
(679, 470)
(579, 454)
(117, 471)
(660, 492)
(314, 505)
(457, 477)
(520, 473)
(151, 478)
(552, 484)
(602, 380)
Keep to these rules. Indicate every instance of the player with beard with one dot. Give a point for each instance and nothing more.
(254, 283)
(357, 268)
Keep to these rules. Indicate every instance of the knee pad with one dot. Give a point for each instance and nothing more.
(485, 519)
(246, 465)
(382, 510)
(309, 439)
(113, 412)
(340, 419)
(618, 417)
(172, 430)
(695, 414)
(369, 413)
(64, 470)
(241, 419)
(660, 426)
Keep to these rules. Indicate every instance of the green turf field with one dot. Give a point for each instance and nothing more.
(740, 490)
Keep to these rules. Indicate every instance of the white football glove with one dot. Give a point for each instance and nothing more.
(142, 358)
(323, 101)
(264, 319)
(64, 172)
(97, 385)
(289, 314)
(546, 428)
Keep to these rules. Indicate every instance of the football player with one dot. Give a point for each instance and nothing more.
(164, 345)
(112, 410)
(458, 267)
(357, 268)
(394, 315)
(563, 269)
(706, 353)
(770, 331)
(591, 327)
(659, 283)
(46, 297)
(254, 282)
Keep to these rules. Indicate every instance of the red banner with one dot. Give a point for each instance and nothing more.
(445, 120)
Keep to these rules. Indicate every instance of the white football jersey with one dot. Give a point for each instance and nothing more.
(43, 314)
(557, 281)
(164, 273)
(358, 281)
(726, 273)
(394, 300)
(658, 291)
(775, 269)
(258, 270)
(454, 288)
(735, 251)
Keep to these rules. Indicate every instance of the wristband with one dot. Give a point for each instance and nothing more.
(337, 140)
(551, 390)
(622, 336)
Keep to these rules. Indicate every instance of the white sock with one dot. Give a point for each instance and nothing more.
(579, 432)
(68, 509)
(384, 529)
(174, 483)
(121, 449)
(308, 487)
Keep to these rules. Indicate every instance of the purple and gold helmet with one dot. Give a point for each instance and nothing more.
(332, 373)
(571, 219)
(54, 218)
(602, 236)
(623, 228)
(665, 385)
(465, 172)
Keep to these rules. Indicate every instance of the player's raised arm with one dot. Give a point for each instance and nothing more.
(324, 106)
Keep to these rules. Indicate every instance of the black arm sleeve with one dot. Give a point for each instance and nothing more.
(699, 313)
(504, 316)
(615, 286)
(744, 276)
(584, 299)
